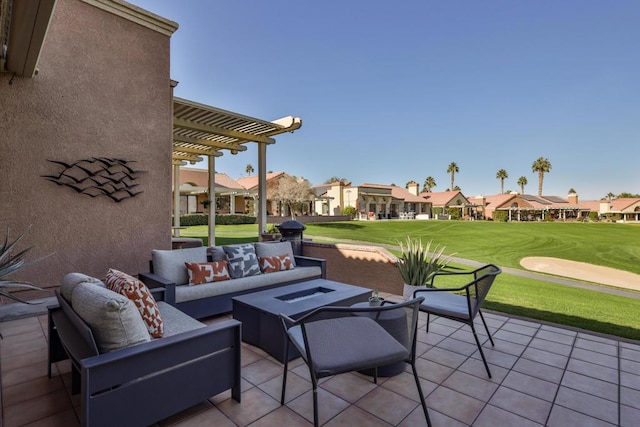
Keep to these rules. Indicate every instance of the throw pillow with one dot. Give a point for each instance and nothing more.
(216, 253)
(205, 272)
(243, 261)
(137, 292)
(270, 264)
(264, 249)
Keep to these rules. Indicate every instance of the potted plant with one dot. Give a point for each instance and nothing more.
(271, 235)
(375, 299)
(418, 264)
(10, 262)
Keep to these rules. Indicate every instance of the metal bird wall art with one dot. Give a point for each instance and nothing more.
(99, 176)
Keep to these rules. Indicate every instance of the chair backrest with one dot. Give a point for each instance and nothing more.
(484, 278)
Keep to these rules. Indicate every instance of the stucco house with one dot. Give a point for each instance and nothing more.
(527, 207)
(442, 201)
(194, 193)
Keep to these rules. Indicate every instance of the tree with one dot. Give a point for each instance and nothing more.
(453, 169)
(292, 191)
(625, 195)
(522, 181)
(429, 183)
(610, 196)
(335, 179)
(502, 175)
(249, 169)
(572, 191)
(541, 165)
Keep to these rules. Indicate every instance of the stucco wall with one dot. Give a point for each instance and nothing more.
(367, 266)
(103, 90)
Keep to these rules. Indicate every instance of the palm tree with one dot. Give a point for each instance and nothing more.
(502, 175)
(429, 183)
(249, 169)
(610, 196)
(541, 165)
(453, 169)
(522, 181)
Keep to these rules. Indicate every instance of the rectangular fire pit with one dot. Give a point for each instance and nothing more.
(259, 311)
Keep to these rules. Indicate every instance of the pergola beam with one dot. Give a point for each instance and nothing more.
(200, 127)
(209, 143)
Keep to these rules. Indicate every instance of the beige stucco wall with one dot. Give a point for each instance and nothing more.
(103, 90)
(367, 266)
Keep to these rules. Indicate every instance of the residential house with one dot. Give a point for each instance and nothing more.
(194, 192)
(623, 209)
(443, 201)
(527, 207)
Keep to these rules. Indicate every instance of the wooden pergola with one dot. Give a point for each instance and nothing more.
(201, 131)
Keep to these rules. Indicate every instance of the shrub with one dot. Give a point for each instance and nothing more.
(437, 211)
(501, 216)
(593, 216)
(350, 210)
(454, 213)
(227, 219)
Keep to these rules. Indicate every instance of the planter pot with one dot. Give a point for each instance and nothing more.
(408, 291)
(375, 303)
(270, 237)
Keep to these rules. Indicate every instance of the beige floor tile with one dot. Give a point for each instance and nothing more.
(476, 368)
(496, 357)
(440, 329)
(355, 417)
(25, 359)
(587, 404)
(630, 380)
(521, 404)
(600, 347)
(532, 386)
(27, 390)
(538, 370)
(564, 417)
(261, 371)
(445, 357)
(16, 350)
(590, 385)
(555, 335)
(405, 384)
(296, 386)
(471, 385)
(191, 416)
(592, 370)
(417, 419)
(24, 373)
(248, 356)
(36, 409)
(629, 417)
(631, 366)
(595, 357)
(282, 416)
(551, 346)
(513, 337)
(507, 347)
(558, 330)
(432, 371)
(492, 416)
(526, 330)
(597, 338)
(546, 357)
(255, 404)
(348, 386)
(455, 405)
(387, 405)
(67, 418)
(459, 347)
(329, 405)
(630, 397)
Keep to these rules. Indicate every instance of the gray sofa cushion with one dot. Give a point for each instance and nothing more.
(175, 321)
(71, 280)
(274, 249)
(113, 318)
(189, 293)
(243, 261)
(170, 263)
(216, 253)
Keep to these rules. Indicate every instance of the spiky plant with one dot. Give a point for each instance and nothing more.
(10, 262)
(418, 264)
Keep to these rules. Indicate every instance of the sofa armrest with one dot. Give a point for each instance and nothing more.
(163, 375)
(305, 261)
(161, 288)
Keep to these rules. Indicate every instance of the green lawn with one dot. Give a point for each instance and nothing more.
(611, 245)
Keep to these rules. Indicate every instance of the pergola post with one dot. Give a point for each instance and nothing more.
(262, 187)
(212, 199)
(176, 199)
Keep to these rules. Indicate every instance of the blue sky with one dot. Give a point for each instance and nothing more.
(395, 91)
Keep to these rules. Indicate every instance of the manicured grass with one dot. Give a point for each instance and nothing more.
(505, 244)
(611, 245)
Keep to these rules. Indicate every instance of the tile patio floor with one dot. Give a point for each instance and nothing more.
(542, 375)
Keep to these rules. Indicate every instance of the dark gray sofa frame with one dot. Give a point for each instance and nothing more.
(145, 383)
(218, 304)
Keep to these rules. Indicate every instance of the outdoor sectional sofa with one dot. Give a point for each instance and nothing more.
(169, 272)
(126, 377)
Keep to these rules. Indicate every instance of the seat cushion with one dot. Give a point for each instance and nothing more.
(137, 292)
(170, 263)
(175, 321)
(445, 304)
(348, 344)
(113, 318)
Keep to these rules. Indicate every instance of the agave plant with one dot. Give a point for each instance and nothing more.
(10, 262)
(418, 263)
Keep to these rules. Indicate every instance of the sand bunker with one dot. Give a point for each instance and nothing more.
(583, 271)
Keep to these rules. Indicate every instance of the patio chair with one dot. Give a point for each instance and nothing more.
(335, 340)
(461, 303)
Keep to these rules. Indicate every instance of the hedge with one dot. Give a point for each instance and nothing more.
(227, 219)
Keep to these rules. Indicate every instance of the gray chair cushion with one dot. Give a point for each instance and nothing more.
(243, 261)
(445, 304)
(170, 263)
(113, 318)
(175, 321)
(348, 343)
(274, 249)
(71, 280)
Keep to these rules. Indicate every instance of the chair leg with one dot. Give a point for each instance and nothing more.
(424, 404)
(314, 381)
(286, 369)
(375, 375)
(427, 327)
(486, 328)
(486, 365)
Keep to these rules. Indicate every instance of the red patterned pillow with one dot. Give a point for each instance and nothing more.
(137, 292)
(269, 264)
(205, 272)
